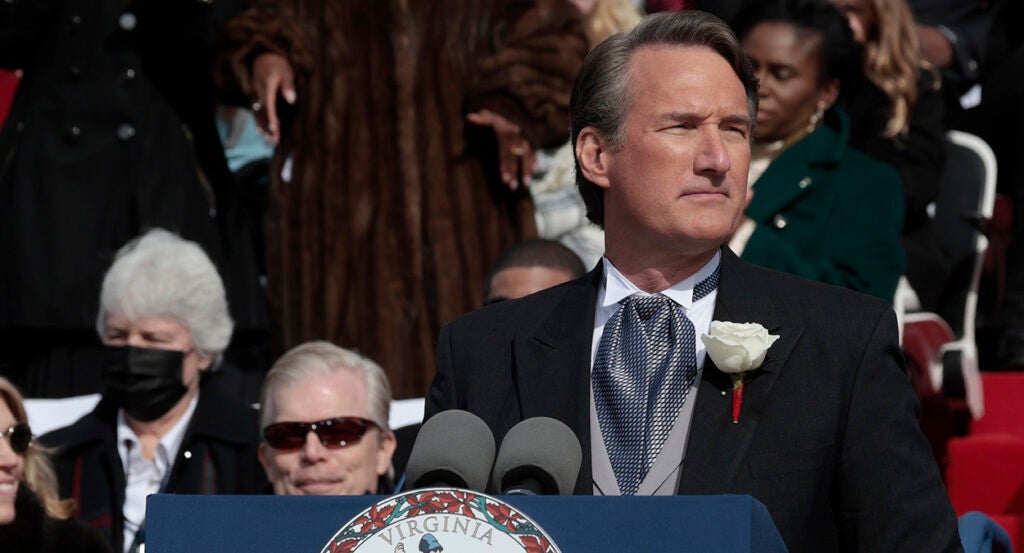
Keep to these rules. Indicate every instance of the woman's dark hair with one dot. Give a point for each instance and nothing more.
(840, 55)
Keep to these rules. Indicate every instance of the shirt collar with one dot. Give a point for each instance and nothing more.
(617, 287)
(169, 444)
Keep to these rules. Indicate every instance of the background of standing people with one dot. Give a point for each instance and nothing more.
(402, 126)
(111, 132)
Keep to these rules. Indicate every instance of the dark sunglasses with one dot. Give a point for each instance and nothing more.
(19, 435)
(334, 433)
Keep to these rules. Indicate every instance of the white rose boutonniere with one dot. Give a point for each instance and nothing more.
(737, 349)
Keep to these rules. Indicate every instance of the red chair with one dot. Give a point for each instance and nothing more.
(985, 471)
(1004, 405)
(8, 85)
(942, 353)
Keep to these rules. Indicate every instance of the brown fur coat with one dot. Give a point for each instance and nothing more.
(395, 208)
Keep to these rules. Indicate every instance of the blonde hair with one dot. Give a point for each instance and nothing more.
(893, 62)
(39, 475)
(609, 17)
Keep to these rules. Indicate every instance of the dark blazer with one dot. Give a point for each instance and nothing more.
(217, 456)
(827, 212)
(827, 439)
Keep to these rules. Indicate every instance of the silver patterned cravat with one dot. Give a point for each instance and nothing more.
(645, 365)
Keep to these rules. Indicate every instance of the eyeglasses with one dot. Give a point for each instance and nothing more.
(19, 435)
(334, 433)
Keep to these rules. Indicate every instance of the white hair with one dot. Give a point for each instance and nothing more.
(323, 359)
(162, 275)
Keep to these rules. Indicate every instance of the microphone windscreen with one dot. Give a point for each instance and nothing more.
(539, 449)
(453, 449)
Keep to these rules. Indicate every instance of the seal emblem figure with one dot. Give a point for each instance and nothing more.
(436, 520)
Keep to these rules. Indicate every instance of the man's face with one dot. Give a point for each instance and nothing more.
(677, 185)
(159, 333)
(315, 469)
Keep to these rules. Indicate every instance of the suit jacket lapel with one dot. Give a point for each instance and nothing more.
(716, 447)
(552, 366)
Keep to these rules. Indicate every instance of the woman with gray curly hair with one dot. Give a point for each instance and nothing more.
(162, 425)
(162, 276)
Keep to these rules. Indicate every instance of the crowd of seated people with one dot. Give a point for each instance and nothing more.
(166, 424)
(847, 157)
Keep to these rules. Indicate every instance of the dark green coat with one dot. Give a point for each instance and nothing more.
(827, 212)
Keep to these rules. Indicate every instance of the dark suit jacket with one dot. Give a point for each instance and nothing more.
(828, 437)
(218, 455)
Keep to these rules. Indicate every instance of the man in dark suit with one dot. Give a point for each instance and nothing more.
(826, 435)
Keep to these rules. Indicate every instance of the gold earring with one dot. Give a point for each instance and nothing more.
(816, 118)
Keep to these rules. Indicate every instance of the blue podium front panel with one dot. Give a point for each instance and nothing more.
(257, 524)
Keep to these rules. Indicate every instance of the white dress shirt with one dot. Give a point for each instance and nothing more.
(143, 477)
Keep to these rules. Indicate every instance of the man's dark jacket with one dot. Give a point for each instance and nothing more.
(827, 439)
(218, 455)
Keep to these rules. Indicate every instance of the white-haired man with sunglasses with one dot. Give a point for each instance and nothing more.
(324, 420)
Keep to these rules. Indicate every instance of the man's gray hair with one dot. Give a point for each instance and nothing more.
(601, 96)
(162, 275)
(324, 359)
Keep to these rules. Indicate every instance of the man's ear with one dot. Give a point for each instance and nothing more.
(262, 454)
(385, 452)
(205, 362)
(592, 154)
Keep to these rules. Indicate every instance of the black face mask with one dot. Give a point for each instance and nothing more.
(145, 382)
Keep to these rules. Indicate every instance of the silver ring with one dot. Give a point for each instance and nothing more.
(256, 106)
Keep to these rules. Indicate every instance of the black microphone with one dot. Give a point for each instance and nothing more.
(539, 456)
(454, 449)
